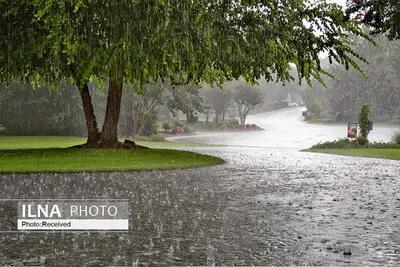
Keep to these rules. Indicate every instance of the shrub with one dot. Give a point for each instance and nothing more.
(340, 143)
(153, 137)
(178, 124)
(188, 129)
(364, 121)
(383, 145)
(315, 108)
(231, 124)
(396, 137)
(166, 126)
(362, 141)
(149, 126)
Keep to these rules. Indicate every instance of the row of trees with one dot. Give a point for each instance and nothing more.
(379, 85)
(24, 111)
(236, 95)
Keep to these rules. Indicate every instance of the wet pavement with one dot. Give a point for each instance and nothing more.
(267, 205)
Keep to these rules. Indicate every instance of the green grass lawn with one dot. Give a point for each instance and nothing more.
(385, 153)
(22, 154)
(34, 142)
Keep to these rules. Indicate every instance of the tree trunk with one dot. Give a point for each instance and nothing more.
(241, 113)
(243, 120)
(93, 135)
(109, 135)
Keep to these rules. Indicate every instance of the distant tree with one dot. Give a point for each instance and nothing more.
(187, 99)
(166, 126)
(219, 100)
(246, 97)
(141, 106)
(42, 111)
(381, 90)
(315, 108)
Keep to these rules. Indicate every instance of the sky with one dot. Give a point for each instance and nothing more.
(341, 2)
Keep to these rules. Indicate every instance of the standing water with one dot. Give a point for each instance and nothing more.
(268, 205)
(286, 128)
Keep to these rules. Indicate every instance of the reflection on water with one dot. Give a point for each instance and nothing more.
(265, 206)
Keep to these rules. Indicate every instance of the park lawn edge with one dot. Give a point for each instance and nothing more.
(207, 161)
(359, 152)
(40, 142)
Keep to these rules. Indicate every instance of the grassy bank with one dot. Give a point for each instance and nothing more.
(49, 154)
(385, 153)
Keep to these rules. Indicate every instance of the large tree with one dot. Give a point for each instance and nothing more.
(140, 41)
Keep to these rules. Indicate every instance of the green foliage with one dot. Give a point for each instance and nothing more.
(231, 124)
(149, 126)
(396, 137)
(362, 141)
(181, 40)
(153, 137)
(363, 121)
(315, 108)
(177, 123)
(187, 99)
(219, 100)
(382, 15)
(340, 143)
(45, 42)
(348, 91)
(139, 109)
(166, 126)
(246, 97)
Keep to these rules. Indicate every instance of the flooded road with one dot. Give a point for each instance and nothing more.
(285, 128)
(268, 205)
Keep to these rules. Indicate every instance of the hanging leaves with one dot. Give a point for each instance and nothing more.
(191, 41)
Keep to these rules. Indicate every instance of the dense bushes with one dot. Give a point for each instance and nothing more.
(360, 142)
(396, 137)
(340, 143)
(154, 137)
(227, 125)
